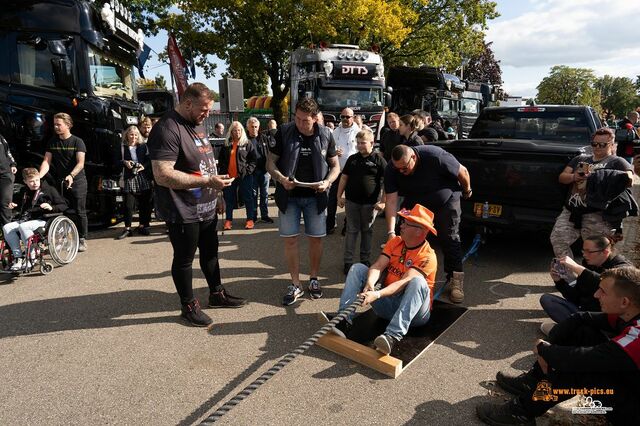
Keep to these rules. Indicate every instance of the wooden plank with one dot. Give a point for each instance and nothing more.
(385, 364)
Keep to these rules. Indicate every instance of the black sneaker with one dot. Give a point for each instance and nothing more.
(517, 384)
(342, 329)
(509, 413)
(194, 315)
(267, 220)
(385, 343)
(293, 293)
(314, 289)
(222, 299)
(347, 266)
(126, 233)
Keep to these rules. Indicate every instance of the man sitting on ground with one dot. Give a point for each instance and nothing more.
(596, 351)
(407, 291)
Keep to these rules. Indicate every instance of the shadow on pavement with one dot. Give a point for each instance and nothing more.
(86, 312)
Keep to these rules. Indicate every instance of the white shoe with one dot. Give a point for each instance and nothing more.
(546, 327)
(18, 264)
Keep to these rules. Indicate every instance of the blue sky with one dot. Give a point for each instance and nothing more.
(530, 37)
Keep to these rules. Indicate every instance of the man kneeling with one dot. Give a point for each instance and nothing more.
(590, 351)
(410, 265)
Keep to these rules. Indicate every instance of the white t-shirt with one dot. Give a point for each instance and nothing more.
(346, 140)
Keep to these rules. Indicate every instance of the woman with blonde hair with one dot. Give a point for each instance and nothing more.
(133, 157)
(238, 160)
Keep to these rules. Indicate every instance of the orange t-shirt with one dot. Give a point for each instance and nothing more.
(401, 258)
(233, 165)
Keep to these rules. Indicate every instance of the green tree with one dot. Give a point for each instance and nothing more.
(484, 67)
(161, 83)
(569, 86)
(260, 34)
(618, 94)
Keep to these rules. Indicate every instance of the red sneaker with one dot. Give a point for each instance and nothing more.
(249, 225)
(227, 225)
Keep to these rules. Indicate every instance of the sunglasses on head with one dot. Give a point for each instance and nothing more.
(599, 144)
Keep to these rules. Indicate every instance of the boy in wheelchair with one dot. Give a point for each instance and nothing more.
(36, 199)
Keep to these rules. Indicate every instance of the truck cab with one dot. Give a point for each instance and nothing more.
(73, 56)
(339, 76)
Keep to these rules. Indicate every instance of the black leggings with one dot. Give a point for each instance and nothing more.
(144, 207)
(185, 238)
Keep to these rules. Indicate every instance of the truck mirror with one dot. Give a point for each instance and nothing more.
(62, 73)
(147, 108)
(57, 47)
(300, 91)
(387, 98)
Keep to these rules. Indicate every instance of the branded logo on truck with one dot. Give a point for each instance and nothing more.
(354, 70)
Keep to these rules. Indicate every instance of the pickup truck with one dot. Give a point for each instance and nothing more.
(514, 156)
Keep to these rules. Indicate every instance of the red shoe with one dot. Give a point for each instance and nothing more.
(249, 225)
(227, 225)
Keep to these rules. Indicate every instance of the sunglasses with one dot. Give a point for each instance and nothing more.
(346, 117)
(600, 144)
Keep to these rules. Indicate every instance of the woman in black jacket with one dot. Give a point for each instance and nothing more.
(133, 158)
(238, 160)
(599, 255)
(407, 129)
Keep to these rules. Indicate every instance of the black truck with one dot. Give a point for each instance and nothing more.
(73, 56)
(514, 156)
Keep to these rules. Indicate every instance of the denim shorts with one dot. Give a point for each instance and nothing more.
(315, 224)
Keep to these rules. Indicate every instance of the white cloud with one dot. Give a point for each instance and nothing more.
(596, 34)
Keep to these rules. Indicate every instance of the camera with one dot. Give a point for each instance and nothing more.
(136, 168)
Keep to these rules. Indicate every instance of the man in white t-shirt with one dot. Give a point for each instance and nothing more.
(345, 138)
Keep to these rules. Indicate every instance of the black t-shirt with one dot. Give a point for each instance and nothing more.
(63, 157)
(433, 181)
(365, 178)
(175, 139)
(304, 166)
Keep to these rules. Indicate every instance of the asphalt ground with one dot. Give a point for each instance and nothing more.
(99, 341)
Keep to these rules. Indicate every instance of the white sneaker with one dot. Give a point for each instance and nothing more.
(546, 327)
(18, 264)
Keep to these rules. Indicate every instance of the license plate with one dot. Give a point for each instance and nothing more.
(132, 119)
(495, 210)
(119, 198)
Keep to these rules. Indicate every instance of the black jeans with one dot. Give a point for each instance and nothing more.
(144, 207)
(185, 239)
(6, 195)
(77, 198)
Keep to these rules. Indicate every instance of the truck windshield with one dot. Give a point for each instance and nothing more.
(517, 123)
(35, 60)
(109, 76)
(470, 106)
(358, 99)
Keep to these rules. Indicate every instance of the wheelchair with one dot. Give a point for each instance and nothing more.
(59, 238)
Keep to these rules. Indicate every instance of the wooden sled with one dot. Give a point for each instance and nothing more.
(367, 326)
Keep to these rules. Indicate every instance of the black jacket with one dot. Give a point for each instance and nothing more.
(412, 140)
(6, 159)
(587, 283)
(245, 159)
(608, 190)
(142, 152)
(30, 208)
(262, 150)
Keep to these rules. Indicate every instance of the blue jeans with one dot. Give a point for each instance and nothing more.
(261, 193)
(412, 307)
(245, 185)
(14, 231)
(558, 308)
(315, 224)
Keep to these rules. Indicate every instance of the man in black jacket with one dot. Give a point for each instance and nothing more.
(260, 175)
(7, 171)
(596, 355)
